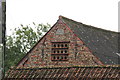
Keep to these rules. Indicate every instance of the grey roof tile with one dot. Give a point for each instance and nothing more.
(103, 43)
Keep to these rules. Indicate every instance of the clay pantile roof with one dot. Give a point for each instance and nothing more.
(103, 44)
(65, 73)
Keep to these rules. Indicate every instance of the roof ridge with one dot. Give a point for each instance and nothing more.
(15, 67)
(62, 18)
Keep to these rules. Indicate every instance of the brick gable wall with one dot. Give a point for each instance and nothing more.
(78, 53)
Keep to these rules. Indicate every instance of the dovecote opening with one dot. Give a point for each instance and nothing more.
(59, 51)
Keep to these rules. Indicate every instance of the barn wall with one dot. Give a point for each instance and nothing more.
(79, 54)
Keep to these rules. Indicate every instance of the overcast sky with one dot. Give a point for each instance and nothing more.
(98, 13)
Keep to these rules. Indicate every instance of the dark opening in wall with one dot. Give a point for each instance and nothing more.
(66, 45)
(62, 45)
(54, 45)
(58, 45)
(65, 51)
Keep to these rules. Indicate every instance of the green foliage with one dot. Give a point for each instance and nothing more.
(22, 40)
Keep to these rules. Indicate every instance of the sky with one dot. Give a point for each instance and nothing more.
(99, 13)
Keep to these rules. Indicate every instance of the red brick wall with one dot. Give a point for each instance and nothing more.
(79, 54)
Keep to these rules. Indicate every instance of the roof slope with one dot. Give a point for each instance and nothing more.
(103, 43)
(65, 73)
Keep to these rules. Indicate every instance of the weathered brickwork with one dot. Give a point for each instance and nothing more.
(78, 53)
